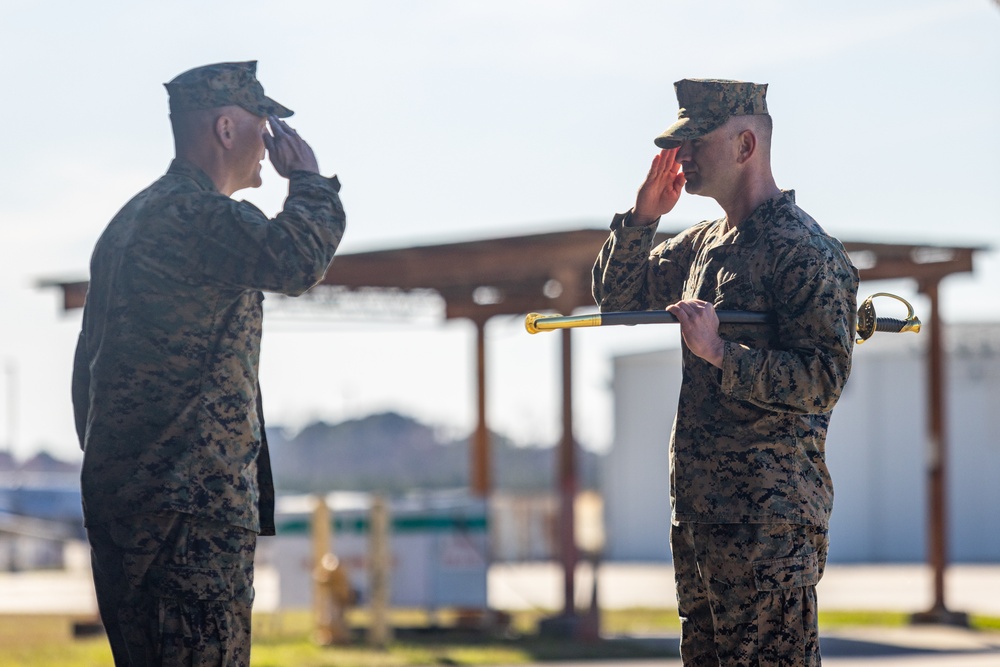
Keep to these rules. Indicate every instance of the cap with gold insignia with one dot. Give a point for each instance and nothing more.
(705, 104)
(223, 84)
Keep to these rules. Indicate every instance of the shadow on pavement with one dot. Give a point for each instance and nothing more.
(832, 647)
(842, 647)
(549, 649)
(645, 647)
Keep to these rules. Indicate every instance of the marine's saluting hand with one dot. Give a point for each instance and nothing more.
(287, 150)
(661, 189)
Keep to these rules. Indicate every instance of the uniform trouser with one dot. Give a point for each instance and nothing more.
(174, 589)
(746, 593)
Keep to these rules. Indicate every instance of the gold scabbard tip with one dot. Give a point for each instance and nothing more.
(531, 319)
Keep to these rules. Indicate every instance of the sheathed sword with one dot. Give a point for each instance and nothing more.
(868, 321)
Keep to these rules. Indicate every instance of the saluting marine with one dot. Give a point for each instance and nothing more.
(176, 476)
(750, 490)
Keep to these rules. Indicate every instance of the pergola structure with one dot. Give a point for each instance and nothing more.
(552, 272)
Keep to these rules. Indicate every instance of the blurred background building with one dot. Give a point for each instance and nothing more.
(877, 450)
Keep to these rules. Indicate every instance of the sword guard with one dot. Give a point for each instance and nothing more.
(869, 323)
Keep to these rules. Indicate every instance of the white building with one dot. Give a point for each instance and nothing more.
(877, 452)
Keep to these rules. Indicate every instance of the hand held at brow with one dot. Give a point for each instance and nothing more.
(287, 151)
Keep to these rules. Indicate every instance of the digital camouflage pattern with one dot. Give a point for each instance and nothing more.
(220, 85)
(748, 443)
(175, 590)
(706, 104)
(746, 593)
(165, 390)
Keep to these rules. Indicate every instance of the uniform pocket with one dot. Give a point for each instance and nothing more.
(194, 583)
(202, 614)
(784, 573)
(787, 634)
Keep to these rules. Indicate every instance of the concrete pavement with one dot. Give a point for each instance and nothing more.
(970, 588)
(902, 647)
(938, 660)
(905, 587)
(863, 647)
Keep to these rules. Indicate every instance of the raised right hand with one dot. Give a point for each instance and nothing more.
(287, 150)
(660, 191)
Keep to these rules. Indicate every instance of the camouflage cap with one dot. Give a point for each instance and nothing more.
(705, 104)
(223, 84)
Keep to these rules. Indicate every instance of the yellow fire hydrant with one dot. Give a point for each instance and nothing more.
(336, 595)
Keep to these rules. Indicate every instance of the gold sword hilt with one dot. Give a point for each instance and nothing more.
(869, 323)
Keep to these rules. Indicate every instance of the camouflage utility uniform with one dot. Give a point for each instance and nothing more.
(750, 491)
(176, 476)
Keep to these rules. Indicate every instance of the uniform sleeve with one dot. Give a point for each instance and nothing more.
(81, 388)
(815, 308)
(628, 275)
(241, 247)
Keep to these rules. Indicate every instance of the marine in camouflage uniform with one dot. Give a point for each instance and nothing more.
(176, 477)
(750, 490)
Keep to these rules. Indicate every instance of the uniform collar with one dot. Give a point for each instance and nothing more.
(181, 167)
(751, 229)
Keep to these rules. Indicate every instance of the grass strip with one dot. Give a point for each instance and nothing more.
(285, 639)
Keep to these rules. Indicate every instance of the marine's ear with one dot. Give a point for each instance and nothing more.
(747, 145)
(225, 130)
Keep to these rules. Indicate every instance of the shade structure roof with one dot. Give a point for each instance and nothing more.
(552, 270)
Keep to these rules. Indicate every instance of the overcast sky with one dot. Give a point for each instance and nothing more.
(459, 120)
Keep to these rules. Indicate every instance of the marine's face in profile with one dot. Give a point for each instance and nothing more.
(699, 160)
(710, 161)
(248, 147)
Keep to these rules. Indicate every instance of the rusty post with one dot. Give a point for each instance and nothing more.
(567, 481)
(937, 468)
(479, 476)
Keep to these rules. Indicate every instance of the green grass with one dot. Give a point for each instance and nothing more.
(830, 620)
(893, 619)
(985, 623)
(306, 654)
(284, 639)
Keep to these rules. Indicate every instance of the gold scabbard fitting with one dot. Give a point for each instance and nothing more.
(535, 322)
(529, 322)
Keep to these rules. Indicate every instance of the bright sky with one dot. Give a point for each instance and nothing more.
(452, 120)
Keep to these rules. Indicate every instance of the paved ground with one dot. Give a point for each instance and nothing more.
(907, 588)
(933, 660)
(903, 647)
(969, 588)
